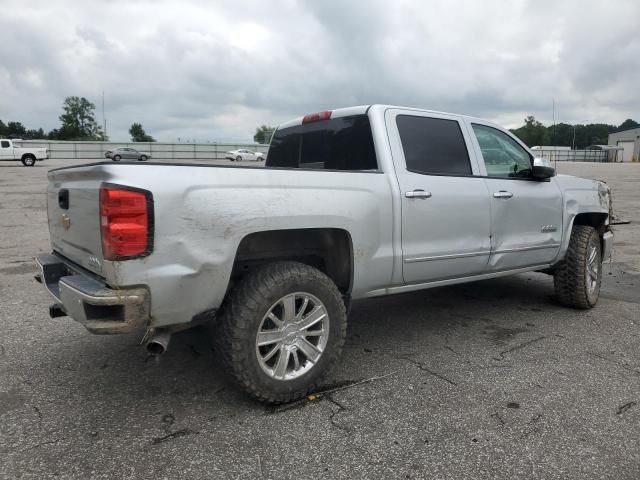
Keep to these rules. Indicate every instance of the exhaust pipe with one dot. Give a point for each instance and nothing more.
(158, 341)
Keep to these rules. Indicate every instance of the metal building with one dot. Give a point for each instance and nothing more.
(629, 140)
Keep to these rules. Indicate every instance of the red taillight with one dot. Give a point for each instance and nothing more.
(125, 223)
(316, 117)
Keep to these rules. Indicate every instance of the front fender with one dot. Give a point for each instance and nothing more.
(581, 197)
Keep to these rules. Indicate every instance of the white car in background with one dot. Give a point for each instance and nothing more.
(244, 154)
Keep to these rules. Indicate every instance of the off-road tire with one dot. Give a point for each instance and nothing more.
(243, 311)
(28, 160)
(571, 277)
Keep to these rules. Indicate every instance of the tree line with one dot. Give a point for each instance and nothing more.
(578, 136)
(77, 122)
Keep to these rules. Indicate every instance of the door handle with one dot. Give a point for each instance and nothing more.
(502, 194)
(419, 193)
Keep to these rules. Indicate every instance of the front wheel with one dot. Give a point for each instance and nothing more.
(117, 158)
(577, 279)
(282, 330)
(143, 158)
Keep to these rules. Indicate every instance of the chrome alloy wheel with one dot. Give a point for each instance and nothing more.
(292, 336)
(593, 265)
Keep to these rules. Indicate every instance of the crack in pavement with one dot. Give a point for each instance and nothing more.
(532, 423)
(451, 349)
(42, 444)
(421, 366)
(518, 347)
(499, 418)
(38, 412)
(341, 408)
(625, 366)
(623, 408)
(180, 433)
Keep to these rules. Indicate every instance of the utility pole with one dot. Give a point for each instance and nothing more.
(553, 132)
(104, 121)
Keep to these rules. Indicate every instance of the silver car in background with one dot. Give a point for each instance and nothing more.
(244, 154)
(126, 153)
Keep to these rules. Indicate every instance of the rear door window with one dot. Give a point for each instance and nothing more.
(433, 146)
(343, 143)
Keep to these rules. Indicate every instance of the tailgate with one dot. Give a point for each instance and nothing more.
(73, 211)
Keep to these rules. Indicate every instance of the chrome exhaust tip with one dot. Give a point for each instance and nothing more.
(158, 341)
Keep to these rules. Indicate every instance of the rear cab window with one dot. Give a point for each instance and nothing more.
(343, 143)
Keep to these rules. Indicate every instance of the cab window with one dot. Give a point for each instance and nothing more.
(433, 146)
(5, 144)
(502, 155)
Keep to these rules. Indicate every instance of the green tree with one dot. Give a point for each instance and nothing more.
(16, 130)
(32, 134)
(78, 121)
(138, 134)
(263, 134)
(533, 132)
(3, 129)
(627, 124)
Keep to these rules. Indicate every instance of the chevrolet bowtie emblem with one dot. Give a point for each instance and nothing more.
(65, 221)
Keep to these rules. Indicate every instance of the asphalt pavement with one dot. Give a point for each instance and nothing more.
(486, 380)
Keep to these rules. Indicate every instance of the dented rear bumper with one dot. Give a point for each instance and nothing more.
(83, 297)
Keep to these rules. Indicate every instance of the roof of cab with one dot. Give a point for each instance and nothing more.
(362, 109)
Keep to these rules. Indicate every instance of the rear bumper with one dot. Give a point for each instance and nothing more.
(102, 310)
(607, 245)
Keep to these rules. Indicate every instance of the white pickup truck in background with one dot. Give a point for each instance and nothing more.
(11, 150)
(352, 203)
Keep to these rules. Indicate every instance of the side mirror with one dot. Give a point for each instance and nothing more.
(542, 169)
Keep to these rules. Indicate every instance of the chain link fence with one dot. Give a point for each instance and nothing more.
(157, 150)
(578, 155)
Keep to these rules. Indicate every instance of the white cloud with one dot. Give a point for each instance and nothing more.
(214, 71)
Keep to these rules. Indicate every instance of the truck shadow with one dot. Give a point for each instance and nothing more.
(483, 316)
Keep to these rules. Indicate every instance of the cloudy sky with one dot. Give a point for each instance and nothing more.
(213, 70)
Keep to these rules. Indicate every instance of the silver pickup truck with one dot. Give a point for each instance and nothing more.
(352, 203)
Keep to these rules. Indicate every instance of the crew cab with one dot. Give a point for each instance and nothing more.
(11, 150)
(352, 203)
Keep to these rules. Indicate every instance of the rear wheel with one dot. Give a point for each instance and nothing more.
(28, 160)
(577, 279)
(238, 158)
(282, 330)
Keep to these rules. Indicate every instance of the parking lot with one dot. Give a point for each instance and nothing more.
(485, 380)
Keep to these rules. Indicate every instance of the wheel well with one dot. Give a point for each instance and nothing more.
(28, 155)
(327, 249)
(593, 219)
